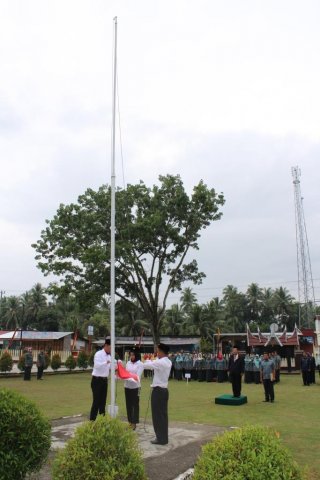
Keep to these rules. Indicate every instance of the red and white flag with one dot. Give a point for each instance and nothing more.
(125, 375)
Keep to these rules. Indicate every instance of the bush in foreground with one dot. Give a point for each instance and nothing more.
(6, 362)
(248, 453)
(25, 436)
(105, 449)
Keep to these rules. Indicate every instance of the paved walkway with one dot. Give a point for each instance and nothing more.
(163, 462)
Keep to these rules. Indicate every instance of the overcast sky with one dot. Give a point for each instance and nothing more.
(224, 91)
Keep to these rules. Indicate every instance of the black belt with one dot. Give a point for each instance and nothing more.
(104, 378)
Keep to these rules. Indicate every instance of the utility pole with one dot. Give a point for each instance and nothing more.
(305, 280)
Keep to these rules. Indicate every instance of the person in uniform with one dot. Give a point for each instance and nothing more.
(277, 364)
(132, 388)
(161, 367)
(305, 366)
(99, 381)
(236, 369)
(41, 362)
(256, 369)
(28, 363)
(267, 375)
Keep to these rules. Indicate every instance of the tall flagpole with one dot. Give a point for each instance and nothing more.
(113, 409)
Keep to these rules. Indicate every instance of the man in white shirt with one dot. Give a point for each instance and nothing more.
(160, 395)
(99, 381)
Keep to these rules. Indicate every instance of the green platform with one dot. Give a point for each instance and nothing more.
(230, 400)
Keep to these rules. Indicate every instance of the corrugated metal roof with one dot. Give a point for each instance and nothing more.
(149, 341)
(32, 335)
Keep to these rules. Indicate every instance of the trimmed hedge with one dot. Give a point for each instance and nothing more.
(248, 453)
(82, 360)
(56, 362)
(25, 436)
(105, 449)
(71, 363)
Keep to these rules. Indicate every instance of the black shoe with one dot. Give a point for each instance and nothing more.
(156, 442)
(265, 400)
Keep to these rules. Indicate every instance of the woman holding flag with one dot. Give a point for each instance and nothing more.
(132, 388)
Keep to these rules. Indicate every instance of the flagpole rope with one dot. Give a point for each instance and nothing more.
(145, 418)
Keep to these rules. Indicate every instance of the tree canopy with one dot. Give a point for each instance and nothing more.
(155, 230)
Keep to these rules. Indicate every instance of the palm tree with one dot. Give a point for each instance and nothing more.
(282, 303)
(188, 299)
(12, 312)
(235, 307)
(173, 320)
(254, 298)
(36, 301)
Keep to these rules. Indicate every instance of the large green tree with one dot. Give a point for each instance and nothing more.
(156, 228)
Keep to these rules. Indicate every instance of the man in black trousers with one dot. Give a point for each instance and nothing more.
(236, 369)
(99, 381)
(160, 395)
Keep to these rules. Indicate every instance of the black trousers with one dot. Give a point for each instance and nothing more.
(27, 373)
(278, 375)
(268, 389)
(99, 387)
(235, 379)
(132, 404)
(159, 408)
(306, 377)
(39, 373)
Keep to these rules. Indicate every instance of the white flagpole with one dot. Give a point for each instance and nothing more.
(113, 409)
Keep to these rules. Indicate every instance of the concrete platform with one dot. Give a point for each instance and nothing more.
(164, 462)
(231, 400)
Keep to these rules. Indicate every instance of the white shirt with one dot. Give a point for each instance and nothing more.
(161, 368)
(100, 366)
(137, 368)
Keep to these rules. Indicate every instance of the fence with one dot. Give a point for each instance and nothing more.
(16, 353)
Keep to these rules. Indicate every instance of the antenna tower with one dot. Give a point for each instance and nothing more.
(305, 280)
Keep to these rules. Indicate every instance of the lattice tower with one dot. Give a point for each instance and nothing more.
(305, 280)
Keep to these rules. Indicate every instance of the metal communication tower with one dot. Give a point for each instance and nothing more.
(305, 280)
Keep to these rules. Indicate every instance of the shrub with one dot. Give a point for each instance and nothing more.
(25, 436)
(71, 363)
(21, 363)
(82, 360)
(248, 453)
(106, 449)
(6, 362)
(55, 361)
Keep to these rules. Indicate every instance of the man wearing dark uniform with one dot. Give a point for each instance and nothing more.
(28, 363)
(236, 369)
(160, 395)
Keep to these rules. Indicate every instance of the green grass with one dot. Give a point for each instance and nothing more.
(295, 413)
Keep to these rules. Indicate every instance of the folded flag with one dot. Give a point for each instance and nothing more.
(125, 375)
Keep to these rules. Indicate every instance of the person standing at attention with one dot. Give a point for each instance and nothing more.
(267, 372)
(99, 381)
(40, 364)
(236, 369)
(132, 389)
(161, 367)
(28, 363)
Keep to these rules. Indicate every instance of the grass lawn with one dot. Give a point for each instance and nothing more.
(295, 413)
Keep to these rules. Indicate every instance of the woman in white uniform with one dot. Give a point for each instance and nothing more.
(132, 388)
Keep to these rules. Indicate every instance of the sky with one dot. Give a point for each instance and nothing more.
(226, 92)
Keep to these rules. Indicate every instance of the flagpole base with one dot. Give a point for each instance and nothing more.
(113, 410)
